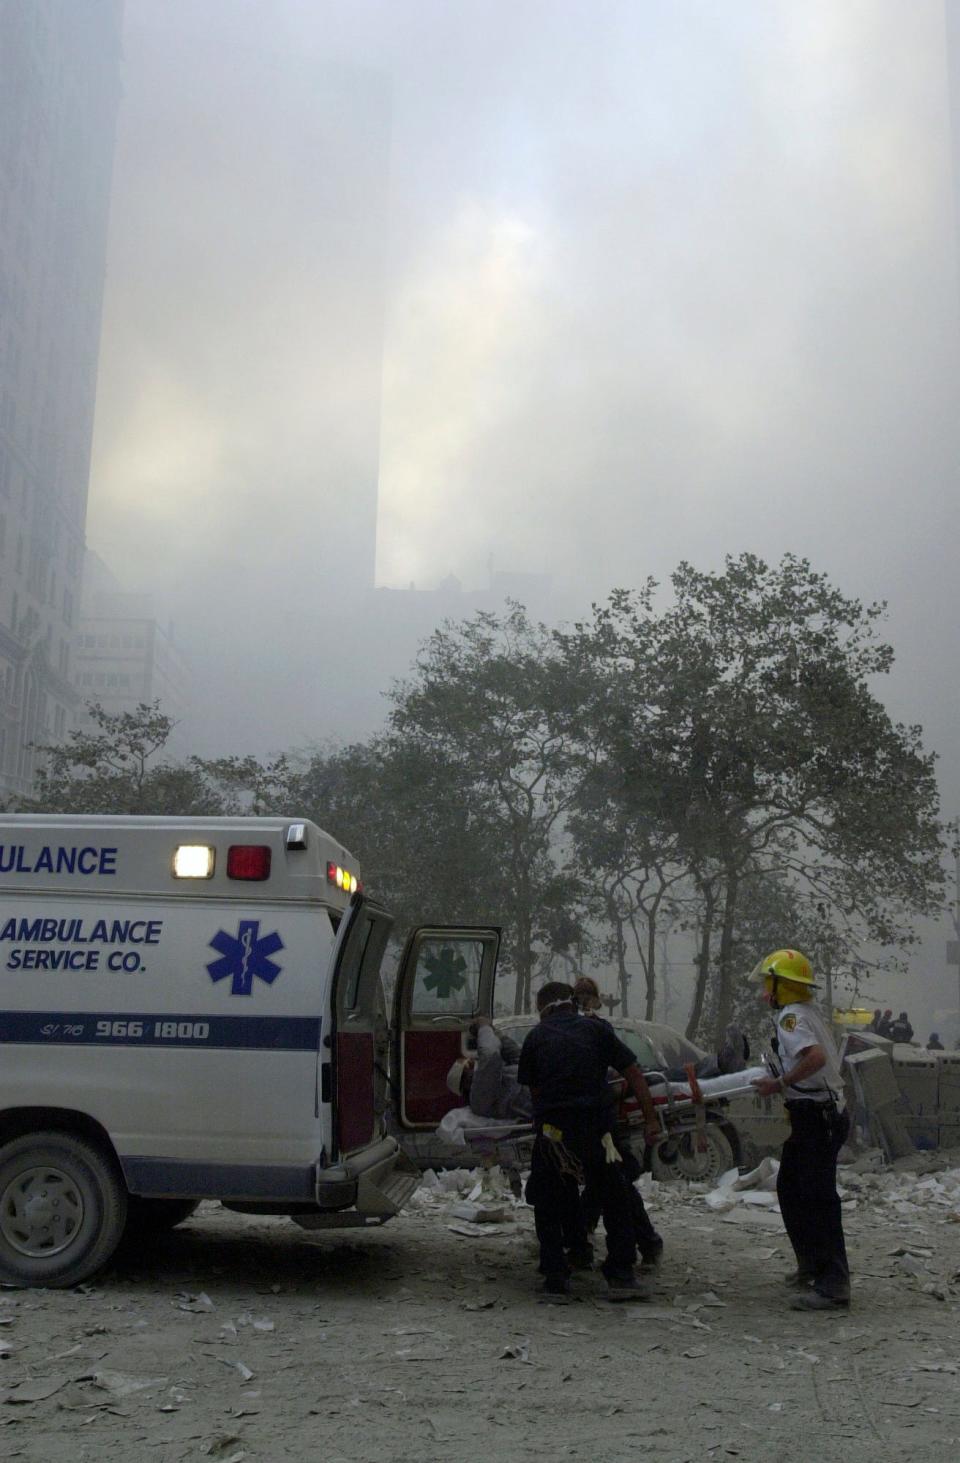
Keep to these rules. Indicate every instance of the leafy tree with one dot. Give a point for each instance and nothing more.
(486, 700)
(116, 767)
(629, 860)
(402, 812)
(246, 786)
(742, 714)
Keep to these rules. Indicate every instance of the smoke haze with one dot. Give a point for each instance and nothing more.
(644, 281)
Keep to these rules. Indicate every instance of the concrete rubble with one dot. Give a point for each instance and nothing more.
(902, 1097)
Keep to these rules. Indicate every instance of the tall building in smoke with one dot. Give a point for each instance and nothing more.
(951, 20)
(255, 338)
(126, 657)
(59, 92)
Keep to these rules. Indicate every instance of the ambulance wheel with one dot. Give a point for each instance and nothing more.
(681, 1157)
(63, 1206)
(156, 1216)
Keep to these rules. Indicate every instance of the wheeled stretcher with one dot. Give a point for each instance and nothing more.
(683, 1108)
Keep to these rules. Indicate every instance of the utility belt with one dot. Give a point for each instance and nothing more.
(819, 1116)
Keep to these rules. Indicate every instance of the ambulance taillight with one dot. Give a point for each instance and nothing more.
(248, 861)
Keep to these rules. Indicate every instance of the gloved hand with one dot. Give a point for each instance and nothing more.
(610, 1149)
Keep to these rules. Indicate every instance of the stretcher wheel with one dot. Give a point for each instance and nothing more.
(680, 1157)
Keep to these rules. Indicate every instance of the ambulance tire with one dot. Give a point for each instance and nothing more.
(63, 1206)
(156, 1216)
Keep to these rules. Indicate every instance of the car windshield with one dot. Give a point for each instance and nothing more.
(673, 1049)
(655, 1047)
(640, 1045)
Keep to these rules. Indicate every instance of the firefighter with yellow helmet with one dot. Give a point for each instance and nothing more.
(806, 1069)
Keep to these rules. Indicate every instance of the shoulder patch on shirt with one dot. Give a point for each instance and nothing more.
(788, 1023)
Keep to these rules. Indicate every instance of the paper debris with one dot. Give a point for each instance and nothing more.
(36, 1389)
(479, 1213)
(187, 1302)
(121, 1384)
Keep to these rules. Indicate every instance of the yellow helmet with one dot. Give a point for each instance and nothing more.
(786, 965)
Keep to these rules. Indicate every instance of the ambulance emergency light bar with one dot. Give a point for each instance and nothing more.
(342, 878)
(249, 861)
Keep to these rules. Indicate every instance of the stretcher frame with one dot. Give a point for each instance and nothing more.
(512, 1145)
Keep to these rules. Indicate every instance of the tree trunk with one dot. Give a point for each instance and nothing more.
(524, 925)
(622, 971)
(651, 966)
(647, 950)
(725, 984)
(524, 956)
(703, 960)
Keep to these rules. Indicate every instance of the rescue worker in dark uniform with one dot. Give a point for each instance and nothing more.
(807, 1072)
(648, 1241)
(564, 1062)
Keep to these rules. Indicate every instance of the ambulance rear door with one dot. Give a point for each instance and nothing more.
(444, 981)
(355, 1053)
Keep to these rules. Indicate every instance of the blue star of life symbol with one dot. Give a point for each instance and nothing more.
(244, 956)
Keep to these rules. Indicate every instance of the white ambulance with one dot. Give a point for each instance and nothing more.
(193, 1009)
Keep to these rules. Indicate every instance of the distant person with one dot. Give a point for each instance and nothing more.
(934, 1043)
(876, 1022)
(901, 1030)
(587, 994)
(885, 1024)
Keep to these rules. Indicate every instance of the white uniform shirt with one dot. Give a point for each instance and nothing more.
(800, 1026)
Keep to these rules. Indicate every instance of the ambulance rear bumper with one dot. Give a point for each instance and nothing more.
(376, 1182)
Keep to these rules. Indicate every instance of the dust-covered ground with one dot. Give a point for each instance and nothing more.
(239, 1339)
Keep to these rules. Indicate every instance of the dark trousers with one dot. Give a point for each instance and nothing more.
(555, 1194)
(807, 1190)
(646, 1238)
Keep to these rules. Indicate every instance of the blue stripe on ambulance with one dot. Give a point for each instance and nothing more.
(160, 1029)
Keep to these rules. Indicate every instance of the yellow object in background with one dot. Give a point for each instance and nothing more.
(853, 1017)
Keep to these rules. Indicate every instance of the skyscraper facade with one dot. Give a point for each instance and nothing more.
(59, 92)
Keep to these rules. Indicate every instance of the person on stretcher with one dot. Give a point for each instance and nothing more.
(487, 1083)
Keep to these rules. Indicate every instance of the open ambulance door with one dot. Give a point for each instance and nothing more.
(445, 980)
(357, 1047)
